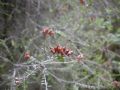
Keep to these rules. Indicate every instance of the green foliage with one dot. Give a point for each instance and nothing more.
(60, 58)
(84, 29)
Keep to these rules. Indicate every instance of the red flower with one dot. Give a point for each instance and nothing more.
(82, 2)
(47, 31)
(26, 55)
(58, 49)
(61, 50)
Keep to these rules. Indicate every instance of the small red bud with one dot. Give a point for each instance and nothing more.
(47, 31)
(79, 57)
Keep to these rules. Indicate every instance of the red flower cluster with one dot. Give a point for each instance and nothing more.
(47, 31)
(61, 50)
(26, 55)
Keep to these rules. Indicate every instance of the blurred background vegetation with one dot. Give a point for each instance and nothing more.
(91, 27)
